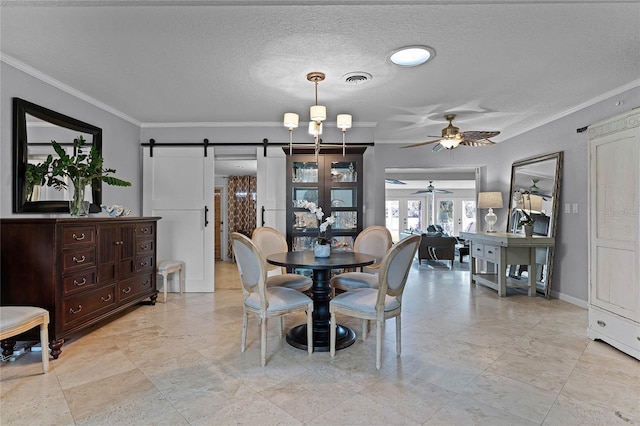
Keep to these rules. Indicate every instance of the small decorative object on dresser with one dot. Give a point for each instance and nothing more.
(82, 271)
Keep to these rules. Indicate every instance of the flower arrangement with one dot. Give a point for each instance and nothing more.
(322, 229)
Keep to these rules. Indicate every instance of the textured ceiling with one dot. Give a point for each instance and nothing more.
(508, 66)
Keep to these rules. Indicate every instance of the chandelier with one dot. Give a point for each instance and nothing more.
(317, 114)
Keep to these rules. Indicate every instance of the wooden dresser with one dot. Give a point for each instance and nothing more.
(82, 270)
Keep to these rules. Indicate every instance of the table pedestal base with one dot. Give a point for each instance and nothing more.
(297, 337)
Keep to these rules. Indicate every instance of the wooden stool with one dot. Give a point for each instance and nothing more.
(18, 319)
(166, 267)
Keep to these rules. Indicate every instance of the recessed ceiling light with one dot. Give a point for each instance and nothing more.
(411, 56)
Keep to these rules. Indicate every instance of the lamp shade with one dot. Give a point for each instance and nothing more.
(530, 203)
(344, 121)
(291, 120)
(490, 200)
(318, 113)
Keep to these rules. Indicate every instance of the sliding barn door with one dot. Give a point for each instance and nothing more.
(178, 186)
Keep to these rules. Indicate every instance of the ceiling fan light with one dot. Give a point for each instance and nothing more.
(318, 113)
(291, 120)
(449, 143)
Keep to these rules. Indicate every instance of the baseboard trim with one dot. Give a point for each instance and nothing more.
(570, 299)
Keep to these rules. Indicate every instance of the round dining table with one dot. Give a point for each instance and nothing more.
(321, 294)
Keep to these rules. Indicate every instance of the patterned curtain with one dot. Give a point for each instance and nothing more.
(242, 206)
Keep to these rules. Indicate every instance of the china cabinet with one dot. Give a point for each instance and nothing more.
(82, 271)
(614, 232)
(334, 183)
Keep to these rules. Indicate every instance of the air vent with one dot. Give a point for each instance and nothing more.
(357, 78)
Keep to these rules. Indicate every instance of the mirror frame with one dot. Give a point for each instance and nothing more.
(20, 156)
(558, 156)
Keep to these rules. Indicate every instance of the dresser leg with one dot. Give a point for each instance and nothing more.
(56, 347)
(154, 297)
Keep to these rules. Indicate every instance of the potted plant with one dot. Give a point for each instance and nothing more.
(322, 246)
(527, 221)
(81, 169)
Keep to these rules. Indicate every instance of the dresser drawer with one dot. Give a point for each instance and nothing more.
(145, 262)
(477, 250)
(77, 309)
(145, 229)
(490, 252)
(144, 247)
(132, 288)
(79, 281)
(74, 235)
(78, 259)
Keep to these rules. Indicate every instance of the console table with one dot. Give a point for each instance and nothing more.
(502, 249)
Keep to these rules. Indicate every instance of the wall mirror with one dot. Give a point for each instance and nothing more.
(538, 180)
(34, 127)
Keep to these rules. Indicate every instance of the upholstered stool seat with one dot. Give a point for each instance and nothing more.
(166, 267)
(18, 319)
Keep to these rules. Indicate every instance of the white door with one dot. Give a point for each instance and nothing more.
(271, 189)
(178, 186)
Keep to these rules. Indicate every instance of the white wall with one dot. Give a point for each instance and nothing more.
(120, 138)
(570, 267)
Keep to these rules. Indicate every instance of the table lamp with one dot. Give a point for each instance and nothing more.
(490, 200)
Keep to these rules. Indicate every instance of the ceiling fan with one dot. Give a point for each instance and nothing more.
(452, 137)
(432, 190)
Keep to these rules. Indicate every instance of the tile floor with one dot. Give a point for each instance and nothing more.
(468, 357)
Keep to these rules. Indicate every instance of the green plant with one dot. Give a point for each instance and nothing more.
(80, 166)
(36, 175)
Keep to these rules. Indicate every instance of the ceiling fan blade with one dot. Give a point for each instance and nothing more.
(423, 191)
(477, 142)
(475, 135)
(442, 191)
(394, 181)
(420, 143)
(438, 147)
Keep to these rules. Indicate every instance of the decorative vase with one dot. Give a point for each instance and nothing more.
(78, 207)
(322, 250)
(528, 230)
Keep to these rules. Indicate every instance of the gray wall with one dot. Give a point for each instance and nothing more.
(121, 146)
(570, 270)
(119, 137)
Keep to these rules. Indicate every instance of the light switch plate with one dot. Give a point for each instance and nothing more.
(575, 207)
(567, 208)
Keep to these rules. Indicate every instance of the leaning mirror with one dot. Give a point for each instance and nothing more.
(34, 127)
(535, 193)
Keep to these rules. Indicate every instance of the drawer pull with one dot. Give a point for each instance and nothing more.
(144, 247)
(75, 259)
(144, 230)
(145, 263)
(107, 299)
(83, 282)
(489, 251)
(80, 238)
(71, 311)
(146, 283)
(601, 323)
(126, 290)
(119, 243)
(478, 249)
